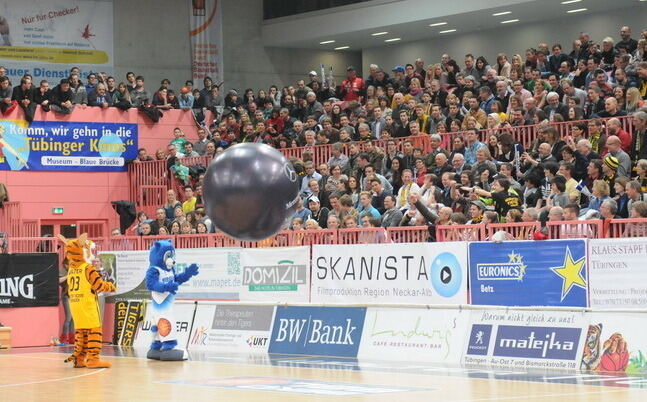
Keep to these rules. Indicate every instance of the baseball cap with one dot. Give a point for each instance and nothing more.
(479, 204)
(350, 68)
(398, 69)
(314, 198)
(313, 72)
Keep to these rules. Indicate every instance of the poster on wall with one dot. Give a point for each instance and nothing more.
(29, 280)
(617, 273)
(615, 342)
(232, 328)
(205, 18)
(410, 334)
(66, 146)
(428, 273)
(526, 273)
(526, 339)
(46, 38)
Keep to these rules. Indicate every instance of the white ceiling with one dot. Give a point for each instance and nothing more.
(409, 20)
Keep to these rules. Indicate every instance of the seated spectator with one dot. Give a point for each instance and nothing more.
(189, 204)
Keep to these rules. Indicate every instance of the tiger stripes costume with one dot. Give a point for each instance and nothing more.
(84, 282)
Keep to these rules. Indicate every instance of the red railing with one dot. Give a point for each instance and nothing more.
(591, 229)
(627, 228)
(513, 231)
(460, 232)
(10, 215)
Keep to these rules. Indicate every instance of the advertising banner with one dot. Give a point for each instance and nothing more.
(526, 273)
(427, 273)
(128, 314)
(226, 274)
(66, 146)
(183, 313)
(45, 38)
(409, 334)
(206, 39)
(276, 274)
(28, 280)
(318, 331)
(615, 342)
(526, 339)
(232, 328)
(618, 278)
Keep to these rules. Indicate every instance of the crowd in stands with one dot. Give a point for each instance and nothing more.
(598, 170)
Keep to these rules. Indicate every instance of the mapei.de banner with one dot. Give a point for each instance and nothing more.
(64, 146)
(527, 273)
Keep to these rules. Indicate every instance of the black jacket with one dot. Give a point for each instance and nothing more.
(58, 96)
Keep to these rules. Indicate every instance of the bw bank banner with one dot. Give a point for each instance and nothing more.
(429, 273)
(527, 273)
(45, 38)
(70, 146)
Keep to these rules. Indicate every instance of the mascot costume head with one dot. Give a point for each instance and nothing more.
(163, 281)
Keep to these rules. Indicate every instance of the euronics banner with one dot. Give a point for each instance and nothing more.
(206, 39)
(70, 146)
(526, 273)
(45, 38)
(226, 274)
(617, 273)
(421, 273)
(526, 339)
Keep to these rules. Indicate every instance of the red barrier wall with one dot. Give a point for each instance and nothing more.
(31, 326)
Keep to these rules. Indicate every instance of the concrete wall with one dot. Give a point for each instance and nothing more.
(511, 39)
(151, 38)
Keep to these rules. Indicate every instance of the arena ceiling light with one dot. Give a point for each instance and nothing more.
(326, 42)
(571, 1)
(502, 13)
(447, 31)
(510, 21)
(437, 24)
(342, 48)
(577, 10)
(379, 33)
(392, 40)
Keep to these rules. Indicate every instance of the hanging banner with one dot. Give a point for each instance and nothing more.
(205, 17)
(427, 273)
(527, 273)
(526, 339)
(69, 146)
(28, 280)
(617, 273)
(45, 38)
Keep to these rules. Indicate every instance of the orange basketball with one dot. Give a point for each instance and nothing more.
(164, 327)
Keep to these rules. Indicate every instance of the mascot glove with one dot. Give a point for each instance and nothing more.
(111, 287)
(171, 287)
(192, 269)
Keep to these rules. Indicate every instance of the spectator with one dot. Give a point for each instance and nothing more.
(42, 95)
(100, 97)
(138, 95)
(318, 213)
(24, 94)
(189, 204)
(61, 98)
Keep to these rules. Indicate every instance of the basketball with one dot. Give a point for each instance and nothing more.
(164, 327)
(250, 191)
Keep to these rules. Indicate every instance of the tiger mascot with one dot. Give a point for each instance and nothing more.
(84, 282)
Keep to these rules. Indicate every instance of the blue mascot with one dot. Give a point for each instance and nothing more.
(163, 282)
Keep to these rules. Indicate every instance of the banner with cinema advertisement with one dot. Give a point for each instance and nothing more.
(45, 38)
(411, 273)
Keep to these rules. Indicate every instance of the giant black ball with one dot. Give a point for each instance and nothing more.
(250, 191)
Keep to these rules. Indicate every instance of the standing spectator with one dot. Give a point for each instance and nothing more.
(200, 146)
(42, 95)
(100, 97)
(24, 95)
(352, 88)
(139, 96)
(79, 95)
(121, 98)
(61, 99)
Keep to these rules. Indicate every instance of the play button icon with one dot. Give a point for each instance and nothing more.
(445, 275)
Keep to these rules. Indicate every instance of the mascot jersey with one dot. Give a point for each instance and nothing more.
(162, 304)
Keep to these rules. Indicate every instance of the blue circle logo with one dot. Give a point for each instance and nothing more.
(446, 274)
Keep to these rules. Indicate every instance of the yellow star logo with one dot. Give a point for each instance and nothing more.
(571, 273)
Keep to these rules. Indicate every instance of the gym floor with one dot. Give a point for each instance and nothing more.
(39, 374)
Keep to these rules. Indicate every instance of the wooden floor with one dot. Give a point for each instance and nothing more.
(39, 374)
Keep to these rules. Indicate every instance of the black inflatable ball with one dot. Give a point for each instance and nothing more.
(250, 191)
